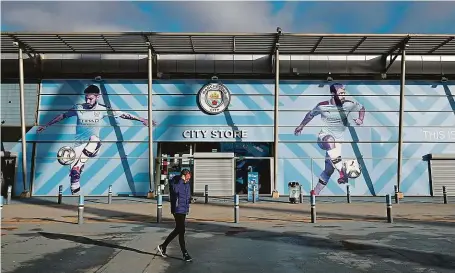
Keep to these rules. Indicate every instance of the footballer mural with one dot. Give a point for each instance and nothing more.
(336, 116)
(87, 143)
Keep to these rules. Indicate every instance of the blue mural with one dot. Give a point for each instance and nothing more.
(122, 158)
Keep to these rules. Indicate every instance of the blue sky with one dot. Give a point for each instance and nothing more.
(236, 16)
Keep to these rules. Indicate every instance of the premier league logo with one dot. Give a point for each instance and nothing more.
(214, 98)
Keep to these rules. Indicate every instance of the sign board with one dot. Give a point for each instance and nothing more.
(253, 180)
(214, 98)
(220, 134)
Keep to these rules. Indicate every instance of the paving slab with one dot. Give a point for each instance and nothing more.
(225, 247)
(271, 237)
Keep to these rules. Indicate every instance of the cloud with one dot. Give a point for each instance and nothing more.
(340, 17)
(428, 17)
(235, 16)
(70, 16)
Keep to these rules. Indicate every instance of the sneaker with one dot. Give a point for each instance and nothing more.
(162, 251)
(187, 257)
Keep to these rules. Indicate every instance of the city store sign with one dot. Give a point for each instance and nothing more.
(220, 134)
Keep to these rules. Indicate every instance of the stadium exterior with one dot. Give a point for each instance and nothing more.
(404, 83)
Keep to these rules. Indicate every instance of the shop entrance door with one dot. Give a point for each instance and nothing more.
(261, 165)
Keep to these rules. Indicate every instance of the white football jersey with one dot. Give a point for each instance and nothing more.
(335, 118)
(88, 120)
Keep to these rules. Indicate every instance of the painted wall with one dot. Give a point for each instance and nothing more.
(122, 161)
(429, 127)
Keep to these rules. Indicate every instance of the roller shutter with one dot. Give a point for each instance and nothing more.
(442, 173)
(215, 170)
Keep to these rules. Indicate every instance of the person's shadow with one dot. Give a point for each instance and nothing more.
(88, 241)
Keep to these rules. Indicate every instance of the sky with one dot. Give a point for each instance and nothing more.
(431, 17)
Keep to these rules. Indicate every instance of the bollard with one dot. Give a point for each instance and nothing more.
(348, 194)
(159, 208)
(8, 196)
(60, 194)
(206, 194)
(236, 208)
(313, 208)
(301, 195)
(444, 194)
(80, 216)
(1, 206)
(254, 193)
(109, 195)
(397, 200)
(389, 208)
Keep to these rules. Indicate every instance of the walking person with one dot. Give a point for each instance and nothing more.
(180, 195)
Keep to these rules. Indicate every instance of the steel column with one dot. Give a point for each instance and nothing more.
(400, 129)
(22, 109)
(275, 124)
(150, 120)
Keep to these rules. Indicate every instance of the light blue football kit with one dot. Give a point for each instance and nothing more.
(87, 139)
(334, 118)
(334, 123)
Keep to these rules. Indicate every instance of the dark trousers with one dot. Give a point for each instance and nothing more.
(178, 230)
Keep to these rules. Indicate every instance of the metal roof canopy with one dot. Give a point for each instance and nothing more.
(227, 43)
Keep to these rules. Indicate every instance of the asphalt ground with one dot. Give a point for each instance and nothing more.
(39, 235)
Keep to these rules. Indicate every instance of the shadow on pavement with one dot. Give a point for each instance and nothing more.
(298, 209)
(88, 241)
(341, 243)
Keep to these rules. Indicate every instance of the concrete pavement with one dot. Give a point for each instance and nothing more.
(271, 237)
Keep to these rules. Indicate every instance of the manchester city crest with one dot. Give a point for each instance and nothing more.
(214, 98)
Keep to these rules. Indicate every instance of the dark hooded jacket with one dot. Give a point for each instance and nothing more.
(180, 195)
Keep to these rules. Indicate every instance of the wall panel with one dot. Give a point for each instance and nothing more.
(429, 122)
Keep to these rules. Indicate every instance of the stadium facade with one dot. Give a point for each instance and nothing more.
(229, 103)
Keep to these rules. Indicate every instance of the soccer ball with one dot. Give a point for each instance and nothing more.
(66, 155)
(352, 168)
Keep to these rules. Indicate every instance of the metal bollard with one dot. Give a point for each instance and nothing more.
(1, 206)
(389, 208)
(60, 194)
(254, 193)
(236, 208)
(80, 216)
(159, 208)
(109, 195)
(444, 194)
(397, 200)
(348, 194)
(301, 195)
(8, 196)
(206, 194)
(313, 208)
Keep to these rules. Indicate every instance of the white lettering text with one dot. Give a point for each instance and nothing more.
(221, 134)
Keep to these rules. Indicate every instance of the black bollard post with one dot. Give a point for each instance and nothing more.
(159, 208)
(236, 209)
(60, 194)
(109, 195)
(397, 199)
(206, 194)
(348, 194)
(254, 193)
(80, 216)
(300, 195)
(8, 194)
(444, 194)
(313, 208)
(389, 208)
